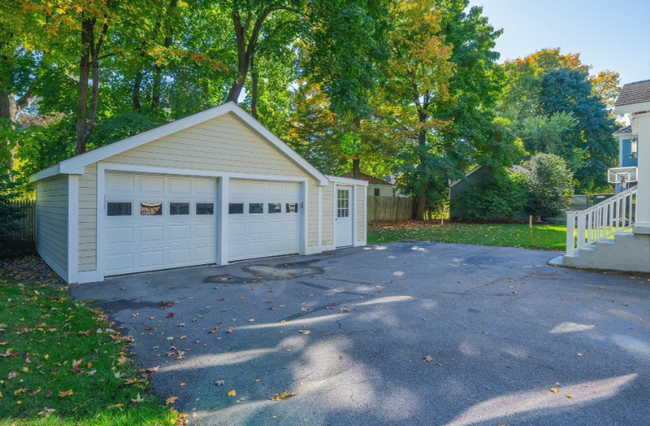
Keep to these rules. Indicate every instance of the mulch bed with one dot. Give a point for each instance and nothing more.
(31, 268)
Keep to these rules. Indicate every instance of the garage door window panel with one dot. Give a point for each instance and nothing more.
(119, 209)
(178, 209)
(151, 209)
(204, 209)
(275, 207)
(236, 208)
(292, 207)
(255, 208)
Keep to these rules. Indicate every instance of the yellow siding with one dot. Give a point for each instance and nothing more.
(361, 209)
(88, 219)
(52, 219)
(221, 144)
(328, 215)
(312, 198)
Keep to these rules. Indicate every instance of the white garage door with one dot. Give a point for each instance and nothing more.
(263, 219)
(158, 222)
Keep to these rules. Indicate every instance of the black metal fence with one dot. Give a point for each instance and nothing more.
(22, 239)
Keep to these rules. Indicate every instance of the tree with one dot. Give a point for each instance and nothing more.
(502, 196)
(462, 129)
(570, 92)
(8, 212)
(549, 183)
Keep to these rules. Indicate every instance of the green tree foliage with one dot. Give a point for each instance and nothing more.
(555, 106)
(569, 92)
(504, 196)
(549, 183)
(9, 214)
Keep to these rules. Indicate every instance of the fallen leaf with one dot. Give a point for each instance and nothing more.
(555, 389)
(170, 314)
(304, 331)
(427, 358)
(137, 399)
(344, 309)
(65, 393)
(232, 393)
(220, 382)
(304, 309)
(48, 394)
(171, 400)
(626, 304)
(284, 395)
(46, 412)
(569, 395)
(11, 375)
(91, 372)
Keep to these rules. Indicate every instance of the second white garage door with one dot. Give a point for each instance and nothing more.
(263, 219)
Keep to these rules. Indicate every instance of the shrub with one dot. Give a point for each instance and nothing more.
(9, 214)
(503, 196)
(549, 183)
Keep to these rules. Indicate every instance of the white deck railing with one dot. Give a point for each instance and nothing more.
(603, 220)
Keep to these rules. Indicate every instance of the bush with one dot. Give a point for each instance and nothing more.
(549, 183)
(503, 196)
(9, 214)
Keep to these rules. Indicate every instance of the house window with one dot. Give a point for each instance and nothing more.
(118, 209)
(255, 208)
(634, 148)
(292, 207)
(236, 208)
(176, 209)
(151, 209)
(204, 208)
(275, 207)
(377, 190)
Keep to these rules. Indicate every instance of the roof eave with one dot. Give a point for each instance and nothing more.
(631, 108)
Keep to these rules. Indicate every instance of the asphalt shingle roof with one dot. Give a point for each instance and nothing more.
(634, 93)
(624, 131)
(368, 178)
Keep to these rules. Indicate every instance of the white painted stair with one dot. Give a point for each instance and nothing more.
(625, 252)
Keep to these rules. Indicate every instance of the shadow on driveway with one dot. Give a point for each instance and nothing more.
(402, 333)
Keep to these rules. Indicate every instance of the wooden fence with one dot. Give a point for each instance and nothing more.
(23, 238)
(390, 209)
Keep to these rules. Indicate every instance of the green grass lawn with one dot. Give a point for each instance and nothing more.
(547, 237)
(62, 364)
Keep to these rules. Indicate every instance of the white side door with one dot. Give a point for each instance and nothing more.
(343, 218)
(263, 219)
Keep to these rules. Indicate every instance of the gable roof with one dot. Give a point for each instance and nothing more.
(624, 131)
(76, 164)
(368, 178)
(634, 93)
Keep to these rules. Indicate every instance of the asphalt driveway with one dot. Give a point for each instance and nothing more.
(398, 334)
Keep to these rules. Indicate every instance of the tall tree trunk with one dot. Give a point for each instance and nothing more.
(135, 99)
(157, 72)
(87, 42)
(424, 186)
(253, 89)
(245, 50)
(356, 169)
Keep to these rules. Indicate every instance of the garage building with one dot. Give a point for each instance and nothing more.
(212, 188)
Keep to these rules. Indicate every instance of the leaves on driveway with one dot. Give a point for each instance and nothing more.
(284, 395)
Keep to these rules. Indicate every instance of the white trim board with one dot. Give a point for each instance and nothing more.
(76, 165)
(347, 181)
(73, 228)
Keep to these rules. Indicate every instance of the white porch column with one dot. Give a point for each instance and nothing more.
(642, 225)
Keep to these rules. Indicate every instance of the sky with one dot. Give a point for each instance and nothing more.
(609, 34)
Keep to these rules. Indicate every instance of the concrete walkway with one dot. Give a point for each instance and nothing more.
(348, 331)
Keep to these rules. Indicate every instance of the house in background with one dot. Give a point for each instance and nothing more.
(624, 176)
(376, 187)
(615, 234)
(212, 188)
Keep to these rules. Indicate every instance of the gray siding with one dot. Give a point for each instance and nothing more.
(52, 222)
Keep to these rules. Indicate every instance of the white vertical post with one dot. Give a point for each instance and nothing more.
(223, 194)
(570, 231)
(581, 230)
(642, 225)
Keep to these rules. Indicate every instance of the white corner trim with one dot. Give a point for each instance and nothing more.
(347, 181)
(101, 235)
(365, 215)
(320, 216)
(89, 277)
(223, 194)
(353, 204)
(304, 219)
(73, 228)
(55, 266)
(44, 174)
